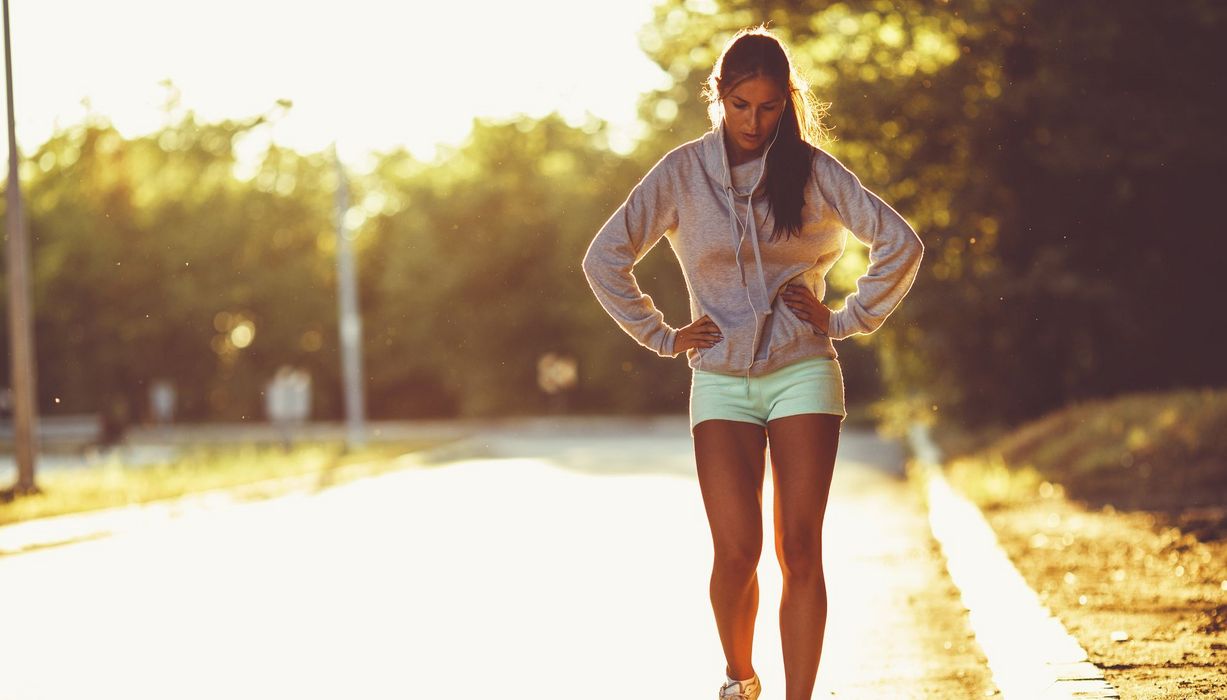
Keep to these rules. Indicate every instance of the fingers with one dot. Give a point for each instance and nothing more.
(805, 305)
(703, 333)
(710, 336)
(797, 291)
(799, 298)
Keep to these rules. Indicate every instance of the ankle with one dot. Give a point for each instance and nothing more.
(749, 674)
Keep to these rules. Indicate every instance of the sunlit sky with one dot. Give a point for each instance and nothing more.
(369, 74)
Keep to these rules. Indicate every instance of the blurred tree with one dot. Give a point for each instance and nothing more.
(1107, 137)
(155, 260)
(478, 276)
(152, 260)
(1028, 142)
(1054, 157)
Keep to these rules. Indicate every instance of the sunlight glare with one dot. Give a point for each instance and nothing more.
(372, 76)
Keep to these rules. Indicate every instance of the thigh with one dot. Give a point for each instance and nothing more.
(731, 460)
(803, 448)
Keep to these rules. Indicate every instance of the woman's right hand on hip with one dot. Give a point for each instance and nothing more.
(703, 333)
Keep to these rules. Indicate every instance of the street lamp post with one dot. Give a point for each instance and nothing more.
(25, 414)
(350, 320)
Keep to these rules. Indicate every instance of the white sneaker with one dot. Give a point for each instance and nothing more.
(741, 690)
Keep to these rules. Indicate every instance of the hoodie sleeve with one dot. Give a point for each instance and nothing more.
(894, 249)
(639, 223)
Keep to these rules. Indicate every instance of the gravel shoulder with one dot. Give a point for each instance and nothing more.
(1115, 512)
(1147, 600)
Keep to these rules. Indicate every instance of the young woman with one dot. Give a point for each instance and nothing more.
(757, 214)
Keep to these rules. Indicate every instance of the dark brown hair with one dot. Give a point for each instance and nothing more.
(757, 52)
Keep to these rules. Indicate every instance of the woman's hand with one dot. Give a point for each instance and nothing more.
(807, 307)
(703, 333)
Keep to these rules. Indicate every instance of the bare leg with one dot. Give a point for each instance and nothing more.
(730, 459)
(802, 463)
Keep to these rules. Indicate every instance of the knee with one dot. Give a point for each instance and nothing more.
(738, 558)
(801, 556)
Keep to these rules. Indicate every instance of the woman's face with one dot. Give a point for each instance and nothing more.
(752, 110)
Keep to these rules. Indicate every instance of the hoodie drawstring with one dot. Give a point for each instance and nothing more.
(750, 227)
(739, 231)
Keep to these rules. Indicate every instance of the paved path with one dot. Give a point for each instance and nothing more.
(545, 565)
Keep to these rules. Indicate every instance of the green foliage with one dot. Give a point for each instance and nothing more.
(478, 276)
(149, 252)
(1048, 153)
(1139, 450)
(153, 257)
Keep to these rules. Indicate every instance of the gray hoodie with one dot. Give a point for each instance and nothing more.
(689, 197)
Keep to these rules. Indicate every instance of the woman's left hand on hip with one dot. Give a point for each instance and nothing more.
(806, 306)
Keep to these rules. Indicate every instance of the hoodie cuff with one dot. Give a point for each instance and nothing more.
(835, 324)
(666, 344)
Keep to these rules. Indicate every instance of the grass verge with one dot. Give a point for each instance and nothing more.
(252, 471)
(1149, 451)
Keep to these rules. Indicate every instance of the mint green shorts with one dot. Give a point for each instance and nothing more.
(812, 385)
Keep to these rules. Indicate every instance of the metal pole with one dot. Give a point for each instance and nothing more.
(350, 320)
(25, 408)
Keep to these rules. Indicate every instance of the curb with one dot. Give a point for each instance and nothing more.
(1029, 652)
